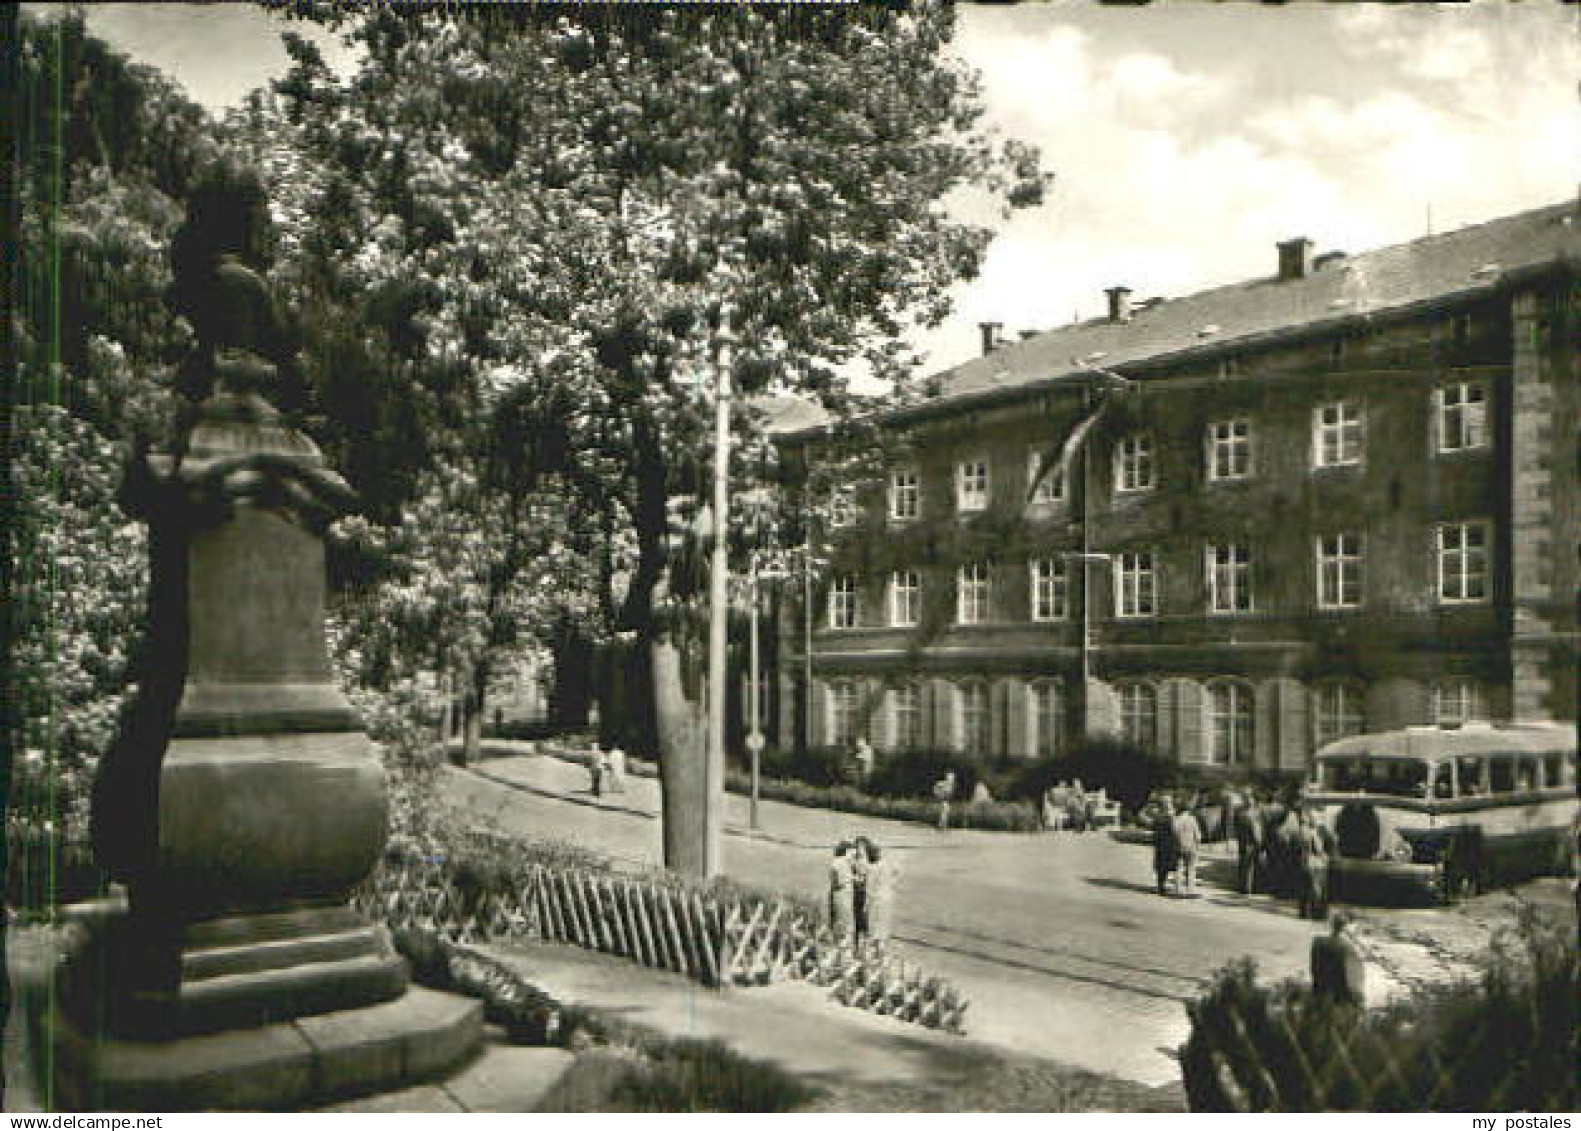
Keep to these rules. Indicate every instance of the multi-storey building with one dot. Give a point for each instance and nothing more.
(1231, 526)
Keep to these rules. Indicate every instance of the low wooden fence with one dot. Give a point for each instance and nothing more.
(718, 941)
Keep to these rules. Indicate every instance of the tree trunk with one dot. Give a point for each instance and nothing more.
(691, 817)
(472, 737)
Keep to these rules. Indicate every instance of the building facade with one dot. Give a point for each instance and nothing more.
(1231, 526)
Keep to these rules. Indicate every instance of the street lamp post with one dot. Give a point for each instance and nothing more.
(718, 607)
(755, 741)
(754, 675)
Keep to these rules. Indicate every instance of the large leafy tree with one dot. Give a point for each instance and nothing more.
(566, 201)
(105, 153)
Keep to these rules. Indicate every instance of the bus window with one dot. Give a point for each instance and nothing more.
(1501, 775)
(1553, 770)
(1443, 780)
(1469, 773)
(1528, 774)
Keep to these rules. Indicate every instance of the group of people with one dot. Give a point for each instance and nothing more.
(607, 769)
(1285, 849)
(1279, 847)
(1072, 806)
(861, 892)
(1177, 839)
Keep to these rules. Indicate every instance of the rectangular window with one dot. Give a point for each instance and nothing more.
(1051, 487)
(1339, 561)
(971, 594)
(1463, 562)
(905, 598)
(1133, 464)
(905, 496)
(842, 603)
(1230, 450)
(971, 485)
(1135, 585)
(842, 509)
(906, 717)
(844, 714)
(1139, 714)
(1050, 589)
(1336, 435)
(1462, 416)
(1229, 579)
(1046, 718)
(974, 718)
(1337, 713)
(1457, 703)
(1230, 723)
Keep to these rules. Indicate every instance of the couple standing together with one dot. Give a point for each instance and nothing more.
(861, 891)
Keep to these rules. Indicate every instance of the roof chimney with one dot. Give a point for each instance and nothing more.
(1295, 258)
(991, 340)
(1119, 304)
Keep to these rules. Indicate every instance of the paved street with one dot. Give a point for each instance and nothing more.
(1057, 939)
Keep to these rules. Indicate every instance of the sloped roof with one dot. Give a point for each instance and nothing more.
(1434, 267)
(1461, 263)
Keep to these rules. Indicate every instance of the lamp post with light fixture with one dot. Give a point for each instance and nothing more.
(1113, 382)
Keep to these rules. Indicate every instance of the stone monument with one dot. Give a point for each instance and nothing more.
(242, 801)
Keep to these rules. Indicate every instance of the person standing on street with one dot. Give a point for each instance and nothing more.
(842, 895)
(597, 766)
(943, 791)
(617, 769)
(880, 903)
(859, 888)
(1188, 841)
(1166, 852)
(862, 755)
(1314, 868)
(1248, 828)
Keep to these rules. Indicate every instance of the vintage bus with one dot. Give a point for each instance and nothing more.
(1447, 811)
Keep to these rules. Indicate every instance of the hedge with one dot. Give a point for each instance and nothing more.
(1505, 1043)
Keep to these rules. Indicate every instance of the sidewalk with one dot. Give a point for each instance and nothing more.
(532, 767)
(862, 1061)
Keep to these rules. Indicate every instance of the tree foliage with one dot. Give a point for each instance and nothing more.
(108, 148)
(555, 207)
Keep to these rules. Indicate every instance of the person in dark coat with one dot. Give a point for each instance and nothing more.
(1337, 969)
(1248, 828)
(1166, 850)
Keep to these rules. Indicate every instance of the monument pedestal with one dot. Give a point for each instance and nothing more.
(275, 1011)
(241, 803)
(290, 1065)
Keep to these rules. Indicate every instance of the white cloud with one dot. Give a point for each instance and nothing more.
(1183, 156)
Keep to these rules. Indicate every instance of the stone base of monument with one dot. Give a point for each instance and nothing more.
(271, 1012)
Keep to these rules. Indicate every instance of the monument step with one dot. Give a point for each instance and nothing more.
(263, 996)
(291, 1066)
(278, 954)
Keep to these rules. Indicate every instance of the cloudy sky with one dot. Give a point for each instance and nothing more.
(1187, 138)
